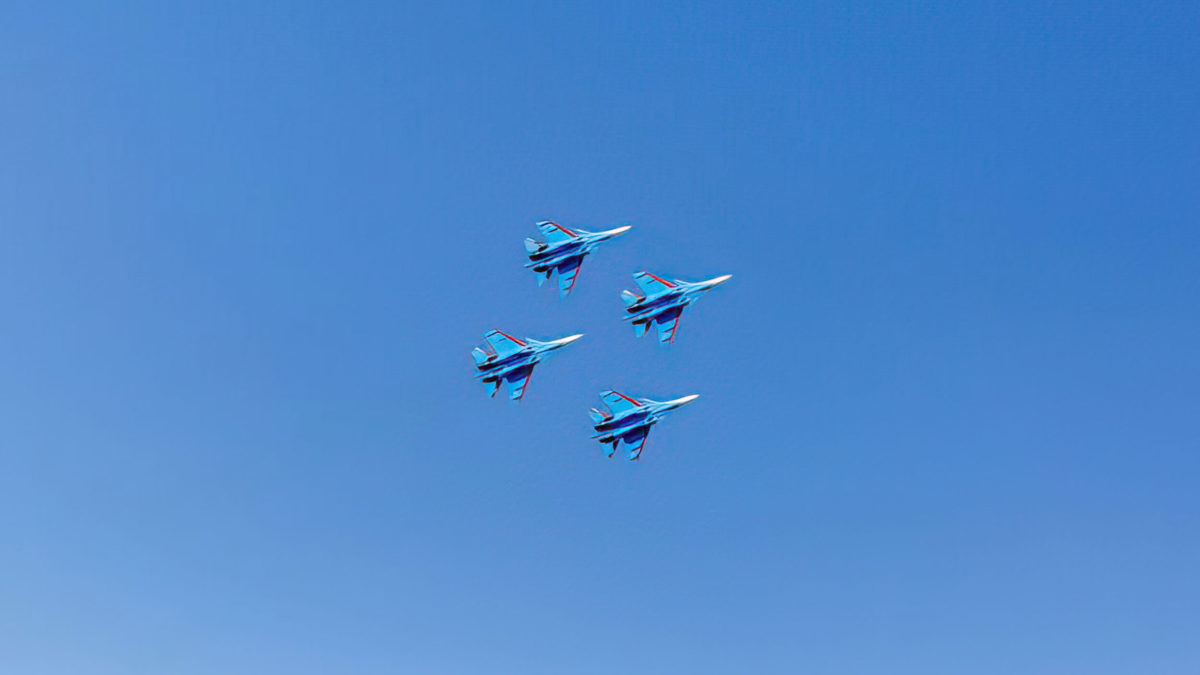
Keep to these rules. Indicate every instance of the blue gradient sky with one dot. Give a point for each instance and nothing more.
(948, 414)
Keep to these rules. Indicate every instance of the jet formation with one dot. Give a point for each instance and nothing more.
(563, 252)
(511, 359)
(661, 302)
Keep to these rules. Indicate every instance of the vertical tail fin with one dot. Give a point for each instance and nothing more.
(481, 356)
(597, 416)
(639, 329)
(630, 298)
(533, 246)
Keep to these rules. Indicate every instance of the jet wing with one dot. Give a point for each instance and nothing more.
(667, 322)
(651, 284)
(555, 233)
(504, 344)
(636, 440)
(517, 380)
(491, 386)
(568, 272)
(618, 403)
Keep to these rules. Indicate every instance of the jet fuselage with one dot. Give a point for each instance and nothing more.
(646, 415)
(531, 354)
(554, 254)
(678, 297)
(512, 360)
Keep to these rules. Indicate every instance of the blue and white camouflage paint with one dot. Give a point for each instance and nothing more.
(661, 302)
(628, 419)
(507, 358)
(563, 252)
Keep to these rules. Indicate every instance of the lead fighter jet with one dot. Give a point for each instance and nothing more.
(662, 302)
(563, 251)
(627, 419)
(512, 360)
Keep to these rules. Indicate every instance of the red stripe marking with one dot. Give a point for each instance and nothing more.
(638, 454)
(520, 342)
(568, 232)
(627, 399)
(525, 384)
(664, 282)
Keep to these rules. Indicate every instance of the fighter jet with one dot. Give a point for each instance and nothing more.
(563, 251)
(627, 419)
(512, 360)
(662, 301)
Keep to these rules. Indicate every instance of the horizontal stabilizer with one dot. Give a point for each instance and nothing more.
(533, 246)
(481, 356)
(630, 298)
(598, 416)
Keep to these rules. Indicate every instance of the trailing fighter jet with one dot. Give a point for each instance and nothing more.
(563, 251)
(512, 360)
(662, 302)
(627, 419)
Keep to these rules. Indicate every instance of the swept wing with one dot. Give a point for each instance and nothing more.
(636, 440)
(517, 380)
(504, 344)
(618, 403)
(652, 284)
(568, 272)
(667, 322)
(555, 233)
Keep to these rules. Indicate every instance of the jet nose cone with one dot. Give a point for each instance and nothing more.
(679, 402)
(720, 280)
(620, 230)
(566, 341)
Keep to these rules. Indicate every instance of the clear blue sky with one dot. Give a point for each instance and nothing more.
(949, 402)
